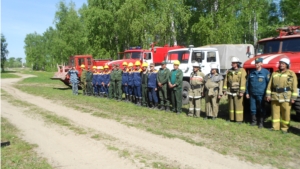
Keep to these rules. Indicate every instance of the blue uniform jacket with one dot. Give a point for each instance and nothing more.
(152, 79)
(125, 76)
(257, 82)
(100, 79)
(130, 78)
(95, 77)
(137, 80)
(106, 78)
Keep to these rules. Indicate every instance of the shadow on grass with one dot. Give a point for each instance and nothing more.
(62, 88)
(9, 71)
(294, 130)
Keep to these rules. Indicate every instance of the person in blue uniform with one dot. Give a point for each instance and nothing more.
(137, 83)
(256, 85)
(130, 83)
(125, 75)
(152, 87)
(100, 82)
(94, 81)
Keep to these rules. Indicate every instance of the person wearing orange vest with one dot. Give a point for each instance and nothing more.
(282, 92)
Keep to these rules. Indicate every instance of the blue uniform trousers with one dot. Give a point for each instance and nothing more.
(137, 91)
(95, 89)
(130, 90)
(152, 95)
(125, 89)
(75, 88)
(257, 101)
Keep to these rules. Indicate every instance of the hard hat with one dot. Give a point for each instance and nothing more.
(176, 62)
(214, 66)
(137, 63)
(106, 67)
(94, 67)
(285, 60)
(82, 66)
(124, 64)
(101, 67)
(235, 59)
(130, 64)
(98, 67)
(196, 64)
(145, 64)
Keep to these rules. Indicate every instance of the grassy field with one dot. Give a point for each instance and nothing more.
(246, 142)
(8, 74)
(19, 154)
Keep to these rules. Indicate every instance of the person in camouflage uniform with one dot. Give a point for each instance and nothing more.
(89, 83)
(83, 79)
(118, 83)
(162, 81)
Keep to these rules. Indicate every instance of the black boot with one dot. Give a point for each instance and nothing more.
(127, 98)
(130, 98)
(253, 123)
(167, 108)
(150, 105)
(155, 106)
(261, 122)
(140, 101)
(162, 107)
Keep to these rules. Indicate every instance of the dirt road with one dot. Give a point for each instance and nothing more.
(65, 149)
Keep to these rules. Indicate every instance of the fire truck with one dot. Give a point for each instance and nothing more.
(156, 54)
(285, 45)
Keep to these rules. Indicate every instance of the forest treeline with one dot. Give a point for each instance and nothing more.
(103, 28)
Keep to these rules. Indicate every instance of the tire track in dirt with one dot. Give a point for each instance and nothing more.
(174, 150)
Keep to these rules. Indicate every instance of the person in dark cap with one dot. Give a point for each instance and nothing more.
(162, 82)
(256, 85)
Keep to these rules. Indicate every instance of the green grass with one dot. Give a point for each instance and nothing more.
(248, 143)
(19, 154)
(7, 75)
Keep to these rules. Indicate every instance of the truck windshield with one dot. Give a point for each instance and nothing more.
(133, 55)
(288, 45)
(182, 56)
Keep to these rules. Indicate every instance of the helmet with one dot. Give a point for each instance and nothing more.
(94, 67)
(130, 64)
(176, 62)
(235, 59)
(285, 60)
(106, 67)
(82, 66)
(195, 64)
(137, 63)
(98, 67)
(214, 66)
(145, 64)
(124, 64)
(101, 67)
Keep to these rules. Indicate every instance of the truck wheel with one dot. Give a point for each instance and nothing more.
(185, 92)
(296, 107)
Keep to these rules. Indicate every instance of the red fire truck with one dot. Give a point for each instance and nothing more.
(285, 45)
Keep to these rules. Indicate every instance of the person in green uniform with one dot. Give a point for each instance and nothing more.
(175, 85)
(162, 82)
(83, 78)
(89, 83)
(112, 84)
(144, 77)
(118, 83)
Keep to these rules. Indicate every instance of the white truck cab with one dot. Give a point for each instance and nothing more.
(205, 56)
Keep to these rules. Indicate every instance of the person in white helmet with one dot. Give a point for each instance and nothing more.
(282, 92)
(235, 86)
(213, 83)
(196, 90)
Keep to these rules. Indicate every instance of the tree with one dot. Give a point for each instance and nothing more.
(290, 12)
(4, 52)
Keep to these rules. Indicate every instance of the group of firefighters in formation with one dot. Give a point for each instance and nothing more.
(141, 87)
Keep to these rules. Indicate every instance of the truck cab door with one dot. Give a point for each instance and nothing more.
(147, 57)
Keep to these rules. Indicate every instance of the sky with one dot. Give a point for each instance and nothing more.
(22, 17)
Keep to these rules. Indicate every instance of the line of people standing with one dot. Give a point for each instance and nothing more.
(141, 86)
